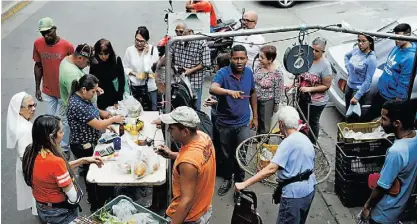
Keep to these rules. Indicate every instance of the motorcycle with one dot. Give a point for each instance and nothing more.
(217, 45)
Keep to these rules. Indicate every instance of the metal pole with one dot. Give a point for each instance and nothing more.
(335, 28)
(413, 76)
(167, 110)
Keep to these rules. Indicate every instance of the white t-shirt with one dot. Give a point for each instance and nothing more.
(132, 61)
(252, 43)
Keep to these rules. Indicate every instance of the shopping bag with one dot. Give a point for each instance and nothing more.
(126, 91)
(354, 109)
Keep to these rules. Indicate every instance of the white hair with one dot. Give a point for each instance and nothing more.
(26, 97)
(322, 42)
(289, 116)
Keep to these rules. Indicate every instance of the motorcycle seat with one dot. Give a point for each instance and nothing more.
(225, 23)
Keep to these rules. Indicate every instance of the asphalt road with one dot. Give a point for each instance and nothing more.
(82, 21)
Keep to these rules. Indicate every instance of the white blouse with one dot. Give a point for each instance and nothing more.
(139, 62)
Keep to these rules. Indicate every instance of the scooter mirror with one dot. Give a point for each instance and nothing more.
(170, 3)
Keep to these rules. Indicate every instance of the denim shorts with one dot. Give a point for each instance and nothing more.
(51, 215)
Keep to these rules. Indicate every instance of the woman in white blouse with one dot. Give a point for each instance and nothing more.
(19, 135)
(137, 64)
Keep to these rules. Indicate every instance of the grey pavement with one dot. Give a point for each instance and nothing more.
(88, 21)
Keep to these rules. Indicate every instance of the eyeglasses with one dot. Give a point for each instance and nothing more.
(30, 106)
(47, 32)
(362, 41)
(247, 20)
(140, 41)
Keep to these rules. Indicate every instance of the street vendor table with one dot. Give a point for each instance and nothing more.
(109, 174)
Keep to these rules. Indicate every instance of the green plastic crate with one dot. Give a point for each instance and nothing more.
(141, 209)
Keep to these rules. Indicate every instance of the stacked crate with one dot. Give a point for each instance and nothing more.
(355, 160)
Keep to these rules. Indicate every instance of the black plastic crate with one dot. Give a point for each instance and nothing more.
(350, 192)
(355, 161)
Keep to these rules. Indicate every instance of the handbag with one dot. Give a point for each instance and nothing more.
(373, 183)
(243, 213)
(276, 197)
(126, 84)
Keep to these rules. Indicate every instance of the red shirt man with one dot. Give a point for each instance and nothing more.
(203, 6)
(48, 52)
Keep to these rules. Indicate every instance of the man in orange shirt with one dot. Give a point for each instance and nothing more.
(194, 171)
(203, 6)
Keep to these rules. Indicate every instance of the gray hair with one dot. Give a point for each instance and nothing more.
(322, 42)
(289, 116)
(24, 100)
(183, 24)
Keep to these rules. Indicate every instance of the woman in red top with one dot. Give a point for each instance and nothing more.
(49, 175)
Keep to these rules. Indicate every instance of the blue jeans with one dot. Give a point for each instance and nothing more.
(56, 215)
(154, 99)
(52, 104)
(211, 29)
(198, 92)
(62, 113)
(294, 210)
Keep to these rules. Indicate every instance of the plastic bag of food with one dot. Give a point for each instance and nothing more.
(140, 169)
(151, 159)
(132, 106)
(140, 218)
(123, 209)
(126, 160)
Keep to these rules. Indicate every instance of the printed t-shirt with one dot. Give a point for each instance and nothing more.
(50, 56)
(50, 175)
(314, 77)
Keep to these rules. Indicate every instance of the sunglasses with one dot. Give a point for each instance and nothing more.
(30, 106)
(103, 53)
(179, 31)
(247, 20)
(317, 51)
(46, 32)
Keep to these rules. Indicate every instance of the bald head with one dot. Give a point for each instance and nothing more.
(250, 19)
(180, 29)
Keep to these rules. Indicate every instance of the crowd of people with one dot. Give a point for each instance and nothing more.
(245, 93)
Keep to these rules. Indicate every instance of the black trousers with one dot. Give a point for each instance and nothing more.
(97, 195)
(375, 109)
(312, 114)
(349, 93)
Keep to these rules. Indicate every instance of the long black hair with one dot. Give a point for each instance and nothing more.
(143, 31)
(87, 81)
(44, 133)
(104, 45)
(370, 40)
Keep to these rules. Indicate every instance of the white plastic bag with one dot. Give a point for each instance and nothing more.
(140, 218)
(354, 109)
(274, 122)
(151, 159)
(123, 209)
(131, 106)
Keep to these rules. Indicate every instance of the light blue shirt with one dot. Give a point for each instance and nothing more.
(401, 162)
(295, 155)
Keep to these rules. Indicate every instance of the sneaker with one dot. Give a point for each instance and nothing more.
(226, 185)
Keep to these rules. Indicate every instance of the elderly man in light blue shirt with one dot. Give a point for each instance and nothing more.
(294, 156)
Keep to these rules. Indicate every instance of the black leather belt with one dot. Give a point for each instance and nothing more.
(63, 204)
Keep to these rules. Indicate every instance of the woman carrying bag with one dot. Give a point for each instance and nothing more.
(138, 62)
(110, 73)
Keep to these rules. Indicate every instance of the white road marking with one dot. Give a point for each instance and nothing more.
(321, 5)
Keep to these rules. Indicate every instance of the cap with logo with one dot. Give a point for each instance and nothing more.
(87, 51)
(182, 115)
(45, 24)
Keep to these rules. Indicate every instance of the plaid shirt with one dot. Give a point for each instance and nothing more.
(191, 54)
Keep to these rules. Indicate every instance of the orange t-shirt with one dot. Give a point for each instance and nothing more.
(206, 6)
(50, 57)
(50, 175)
(199, 153)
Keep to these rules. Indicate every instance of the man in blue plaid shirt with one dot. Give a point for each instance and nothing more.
(194, 58)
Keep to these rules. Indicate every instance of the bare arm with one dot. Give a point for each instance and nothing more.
(76, 163)
(254, 103)
(217, 90)
(375, 197)
(261, 175)
(101, 124)
(326, 82)
(188, 182)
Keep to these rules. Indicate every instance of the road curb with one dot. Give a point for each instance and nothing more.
(13, 9)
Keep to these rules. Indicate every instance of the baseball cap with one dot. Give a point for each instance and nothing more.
(87, 51)
(45, 24)
(182, 115)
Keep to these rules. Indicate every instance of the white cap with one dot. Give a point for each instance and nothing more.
(182, 115)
